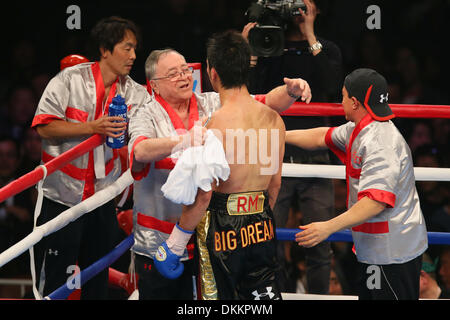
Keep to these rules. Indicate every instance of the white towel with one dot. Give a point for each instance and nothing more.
(196, 168)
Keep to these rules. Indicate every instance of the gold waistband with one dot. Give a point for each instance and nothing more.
(245, 203)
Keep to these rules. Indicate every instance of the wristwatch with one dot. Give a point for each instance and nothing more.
(315, 46)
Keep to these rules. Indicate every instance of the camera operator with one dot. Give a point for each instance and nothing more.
(318, 61)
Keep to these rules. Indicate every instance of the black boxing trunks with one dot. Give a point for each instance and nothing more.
(237, 248)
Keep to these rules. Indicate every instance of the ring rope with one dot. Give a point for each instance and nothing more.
(99, 198)
(346, 236)
(85, 275)
(282, 235)
(400, 110)
(338, 172)
(33, 177)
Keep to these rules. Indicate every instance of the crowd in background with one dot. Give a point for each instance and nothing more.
(408, 50)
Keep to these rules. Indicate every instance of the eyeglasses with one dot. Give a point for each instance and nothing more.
(175, 75)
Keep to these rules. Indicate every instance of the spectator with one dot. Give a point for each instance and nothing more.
(30, 150)
(298, 270)
(21, 105)
(441, 137)
(23, 59)
(440, 220)
(406, 65)
(432, 194)
(335, 284)
(39, 82)
(421, 134)
(15, 212)
(429, 288)
(444, 272)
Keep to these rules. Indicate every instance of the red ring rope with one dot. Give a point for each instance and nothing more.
(33, 177)
(400, 110)
(297, 109)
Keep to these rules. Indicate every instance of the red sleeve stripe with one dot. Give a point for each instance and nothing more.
(167, 163)
(372, 227)
(138, 175)
(329, 141)
(379, 195)
(44, 119)
(76, 114)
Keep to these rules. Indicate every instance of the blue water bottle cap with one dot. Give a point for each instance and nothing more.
(118, 100)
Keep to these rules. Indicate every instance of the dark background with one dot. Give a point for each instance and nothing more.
(412, 32)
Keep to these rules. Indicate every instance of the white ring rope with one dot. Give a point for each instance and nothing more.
(63, 219)
(294, 170)
(105, 195)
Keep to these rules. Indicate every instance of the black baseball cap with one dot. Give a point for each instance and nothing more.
(371, 89)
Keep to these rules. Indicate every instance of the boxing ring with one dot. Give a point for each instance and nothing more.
(37, 176)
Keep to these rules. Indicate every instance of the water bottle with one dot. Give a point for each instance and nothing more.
(117, 108)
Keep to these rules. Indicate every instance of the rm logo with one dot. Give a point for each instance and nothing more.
(245, 203)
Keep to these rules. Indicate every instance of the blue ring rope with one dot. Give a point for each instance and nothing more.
(346, 236)
(282, 234)
(63, 292)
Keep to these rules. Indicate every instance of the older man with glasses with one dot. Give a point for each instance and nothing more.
(158, 134)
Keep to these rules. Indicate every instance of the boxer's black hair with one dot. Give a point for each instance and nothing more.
(229, 54)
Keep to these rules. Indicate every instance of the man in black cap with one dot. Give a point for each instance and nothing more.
(384, 212)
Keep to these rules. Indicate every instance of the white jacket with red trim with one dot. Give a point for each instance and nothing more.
(76, 95)
(154, 216)
(379, 165)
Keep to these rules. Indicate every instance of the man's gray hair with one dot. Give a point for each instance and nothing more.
(152, 61)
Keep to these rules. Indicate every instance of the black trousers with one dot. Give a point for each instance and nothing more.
(391, 281)
(315, 197)
(153, 286)
(80, 243)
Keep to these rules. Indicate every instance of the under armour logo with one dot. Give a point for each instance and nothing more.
(50, 252)
(384, 98)
(268, 294)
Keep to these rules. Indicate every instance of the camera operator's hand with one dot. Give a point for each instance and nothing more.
(247, 29)
(245, 32)
(298, 88)
(306, 24)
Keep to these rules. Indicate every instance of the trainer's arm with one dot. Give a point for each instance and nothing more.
(282, 97)
(308, 139)
(274, 187)
(156, 149)
(64, 129)
(275, 183)
(316, 232)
